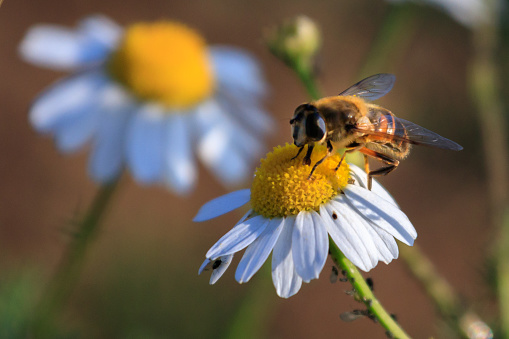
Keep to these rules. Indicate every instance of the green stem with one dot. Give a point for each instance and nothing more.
(308, 79)
(365, 294)
(391, 41)
(485, 85)
(63, 281)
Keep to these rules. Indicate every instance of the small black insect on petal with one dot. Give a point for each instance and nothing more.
(334, 216)
(216, 264)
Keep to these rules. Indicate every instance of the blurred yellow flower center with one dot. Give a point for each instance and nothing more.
(164, 61)
(281, 186)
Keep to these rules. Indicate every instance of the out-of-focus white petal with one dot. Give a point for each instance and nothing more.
(382, 213)
(286, 280)
(64, 49)
(218, 267)
(75, 132)
(470, 13)
(247, 111)
(223, 204)
(239, 237)
(236, 69)
(309, 242)
(258, 251)
(53, 47)
(101, 30)
(361, 179)
(179, 165)
(108, 154)
(219, 144)
(65, 100)
(145, 144)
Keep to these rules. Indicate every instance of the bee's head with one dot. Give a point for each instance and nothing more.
(308, 125)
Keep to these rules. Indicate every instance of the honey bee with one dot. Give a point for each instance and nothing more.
(349, 121)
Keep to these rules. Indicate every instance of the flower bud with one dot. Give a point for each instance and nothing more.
(295, 42)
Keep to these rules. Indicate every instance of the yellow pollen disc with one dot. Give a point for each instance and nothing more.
(164, 61)
(281, 186)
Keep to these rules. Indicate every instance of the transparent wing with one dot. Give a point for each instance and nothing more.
(373, 87)
(405, 130)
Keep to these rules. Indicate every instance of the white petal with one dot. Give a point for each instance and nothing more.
(223, 204)
(217, 146)
(258, 251)
(222, 264)
(53, 47)
(247, 111)
(470, 13)
(239, 237)
(235, 68)
(385, 243)
(286, 280)
(108, 156)
(66, 99)
(79, 129)
(309, 245)
(101, 30)
(376, 240)
(361, 179)
(344, 235)
(145, 144)
(382, 213)
(179, 166)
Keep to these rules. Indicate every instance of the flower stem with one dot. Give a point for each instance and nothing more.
(486, 89)
(62, 283)
(446, 300)
(364, 293)
(308, 79)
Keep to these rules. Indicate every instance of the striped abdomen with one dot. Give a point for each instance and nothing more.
(389, 134)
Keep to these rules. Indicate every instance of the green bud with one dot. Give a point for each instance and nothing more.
(296, 42)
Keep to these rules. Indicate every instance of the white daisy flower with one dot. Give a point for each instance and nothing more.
(469, 13)
(294, 217)
(146, 97)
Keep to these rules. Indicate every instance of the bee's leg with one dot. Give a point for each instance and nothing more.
(307, 157)
(350, 150)
(329, 152)
(393, 163)
(298, 153)
(366, 163)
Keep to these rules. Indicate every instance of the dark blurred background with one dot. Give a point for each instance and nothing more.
(140, 279)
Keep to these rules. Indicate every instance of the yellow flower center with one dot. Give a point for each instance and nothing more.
(164, 61)
(281, 186)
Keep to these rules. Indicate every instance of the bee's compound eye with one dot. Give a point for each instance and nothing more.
(315, 127)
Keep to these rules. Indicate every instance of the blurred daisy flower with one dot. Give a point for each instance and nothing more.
(293, 217)
(469, 13)
(146, 97)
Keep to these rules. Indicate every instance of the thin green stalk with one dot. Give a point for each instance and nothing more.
(391, 42)
(308, 79)
(446, 300)
(65, 278)
(485, 86)
(364, 293)
(503, 275)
